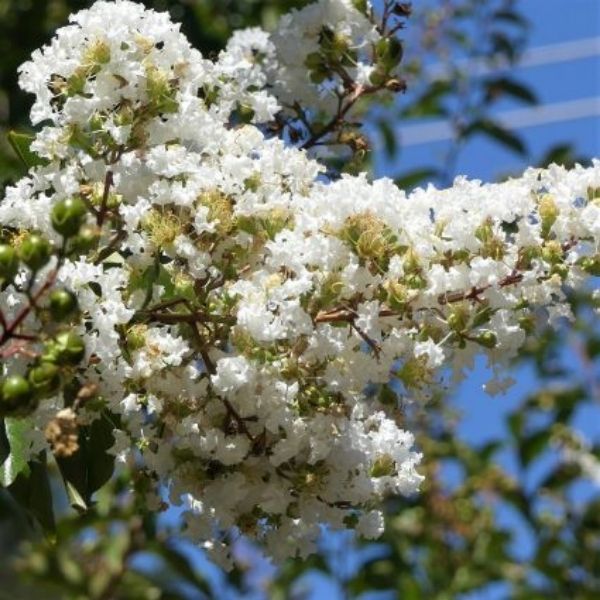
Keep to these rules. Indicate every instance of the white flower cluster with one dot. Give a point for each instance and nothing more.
(259, 329)
(321, 33)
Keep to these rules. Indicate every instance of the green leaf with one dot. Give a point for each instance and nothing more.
(31, 489)
(414, 178)
(503, 44)
(498, 133)
(4, 445)
(510, 16)
(101, 464)
(86, 471)
(389, 138)
(561, 154)
(505, 86)
(16, 461)
(21, 143)
(516, 422)
(429, 103)
(533, 445)
(182, 565)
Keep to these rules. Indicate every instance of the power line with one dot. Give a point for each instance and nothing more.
(533, 57)
(519, 118)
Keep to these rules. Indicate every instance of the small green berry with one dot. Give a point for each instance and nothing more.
(66, 348)
(487, 339)
(16, 396)
(62, 304)
(68, 216)
(35, 251)
(9, 263)
(44, 379)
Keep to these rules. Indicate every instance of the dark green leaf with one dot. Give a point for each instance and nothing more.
(86, 471)
(412, 179)
(561, 154)
(181, 565)
(429, 102)
(32, 491)
(21, 143)
(505, 86)
(561, 477)
(516, 421)
(389, 138)
(510, 16)
(4, 445)
(498, 133)
(533, 445)
(16, 461)
(101, 464)
(502, 44)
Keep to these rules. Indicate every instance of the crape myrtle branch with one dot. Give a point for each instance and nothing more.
(249, 327)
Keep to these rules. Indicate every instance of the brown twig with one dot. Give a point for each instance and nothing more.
(108, 182)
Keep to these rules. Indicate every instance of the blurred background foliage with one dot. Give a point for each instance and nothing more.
(453, 540)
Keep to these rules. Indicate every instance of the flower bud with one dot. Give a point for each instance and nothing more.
(549, 213)
(35, 251)
(68, 216)
(383, 466)
(9, 263)
(389, 53)
(591, 265)
(86, 239)
(487, 339)
(16, 396)
(361, 6)
(44, 379)
(457, 321)
(62, 304)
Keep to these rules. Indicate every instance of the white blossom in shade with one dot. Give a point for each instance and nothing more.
(371, 525)
(233, 373)
(579, 452)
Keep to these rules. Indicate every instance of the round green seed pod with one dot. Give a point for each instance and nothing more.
(66, 349)
(68, 216)
(16, 396)
(35, 251)
(44, 379)
(9, 263)
(62, 304)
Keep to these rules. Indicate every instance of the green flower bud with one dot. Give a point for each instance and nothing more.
(68, 216)
(389, 53)
(9, 263)
(487, 339)
(66, 348)
(378, 76)
(62, 304)
(591, 265)
(35, 251)
(549, 213)
(383, 465)
(561, 270)
(16, 396)
(86, 239)
(314, 60)
(361, 6)
(45, 379)
(527, 324)
(457, 320)
(246, 113)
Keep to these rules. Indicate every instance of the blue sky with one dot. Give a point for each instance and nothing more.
(553, 24)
